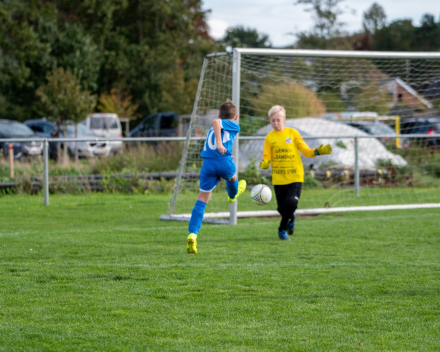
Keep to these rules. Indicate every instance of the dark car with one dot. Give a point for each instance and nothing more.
(426, 126)
(163, 124)
(14, 129)
(414, 126)
(380, 129)
(434, 128)
(45, 129)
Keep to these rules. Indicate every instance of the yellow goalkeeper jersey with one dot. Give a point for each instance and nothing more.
(282, 149)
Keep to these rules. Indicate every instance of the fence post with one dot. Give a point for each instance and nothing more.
(356, 167)
(46, 171)
(11, 160)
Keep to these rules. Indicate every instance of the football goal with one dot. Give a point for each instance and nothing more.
(374, 164)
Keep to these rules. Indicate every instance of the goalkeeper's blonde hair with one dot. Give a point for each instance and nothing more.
(276, 108)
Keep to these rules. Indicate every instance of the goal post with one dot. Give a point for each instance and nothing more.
(236, 69)
(363, 170)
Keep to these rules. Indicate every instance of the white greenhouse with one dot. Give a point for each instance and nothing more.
(370, 150)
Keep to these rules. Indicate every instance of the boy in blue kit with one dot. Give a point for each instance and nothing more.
(217, 164)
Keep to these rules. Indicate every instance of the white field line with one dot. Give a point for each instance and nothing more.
(15, 233)
(220, 265)
(147, 229)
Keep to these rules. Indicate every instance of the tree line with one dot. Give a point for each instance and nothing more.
(376, 33)
(145, 54)
(135, 57)
(328, 31)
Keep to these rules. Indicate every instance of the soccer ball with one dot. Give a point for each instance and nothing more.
(261, 194)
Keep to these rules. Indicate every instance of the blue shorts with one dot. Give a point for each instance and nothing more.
(215, 169)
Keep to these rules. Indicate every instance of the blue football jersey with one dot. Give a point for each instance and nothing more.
(229, 130)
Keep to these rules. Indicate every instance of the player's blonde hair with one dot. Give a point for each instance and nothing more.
(276, 108)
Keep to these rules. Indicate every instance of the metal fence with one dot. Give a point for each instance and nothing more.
(46, 141)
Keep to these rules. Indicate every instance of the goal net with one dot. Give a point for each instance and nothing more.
(379, 111)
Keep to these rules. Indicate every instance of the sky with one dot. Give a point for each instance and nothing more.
(280, 19)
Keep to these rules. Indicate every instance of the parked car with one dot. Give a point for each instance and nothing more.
(106, 125)
(85, 149)
(426, 126)
(434, 128)
(162, 124)
(48, 129)
(414, 126)
(378, 128)
(45, 129)
(14, 129)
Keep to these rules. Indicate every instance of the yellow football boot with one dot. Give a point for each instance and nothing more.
(241, 188)
(191, 246)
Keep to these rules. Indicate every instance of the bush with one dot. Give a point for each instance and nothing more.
(252, 174)
(310, 181)
(298, 100)
(164, 156)
(140, 158)
(160, 186)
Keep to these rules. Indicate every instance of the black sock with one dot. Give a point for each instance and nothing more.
(287, 216)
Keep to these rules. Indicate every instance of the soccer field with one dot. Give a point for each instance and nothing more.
(101, 272)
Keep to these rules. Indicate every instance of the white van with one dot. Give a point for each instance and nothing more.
(106, 125)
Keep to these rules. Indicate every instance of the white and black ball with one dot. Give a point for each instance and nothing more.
(261, 194)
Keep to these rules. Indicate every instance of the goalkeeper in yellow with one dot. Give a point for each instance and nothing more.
(281, 148)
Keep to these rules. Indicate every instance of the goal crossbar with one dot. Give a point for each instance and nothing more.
(339, 53)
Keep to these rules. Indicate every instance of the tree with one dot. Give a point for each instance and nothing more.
(327, 25)
(298, 100)
(105, 43)
(374, 18)
(63, 99)
(427, 36)
(119, 102)
(24, 58)
(397, 36)
(402, 35)
(160, 36)
(372, 97)
(333, 102)
(240, 37)
(177, 94)
(75, 49)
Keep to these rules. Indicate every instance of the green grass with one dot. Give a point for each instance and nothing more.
(100, 272)
(322, 197)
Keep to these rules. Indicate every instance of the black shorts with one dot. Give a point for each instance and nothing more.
(287, 194)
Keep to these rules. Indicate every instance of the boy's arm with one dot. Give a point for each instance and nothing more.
(267, 155)
(303, 147)
(310, 153)
(217, 125)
